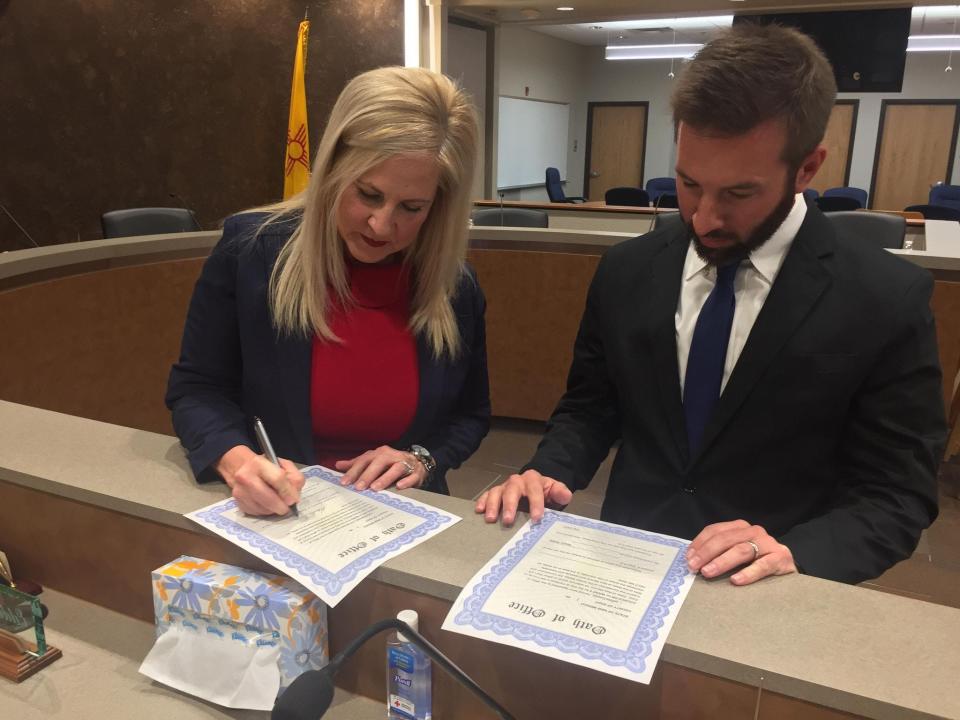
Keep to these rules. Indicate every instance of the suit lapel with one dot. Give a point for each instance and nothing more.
(799, 284)
(293, 359)
(431, 373)
(666, 275)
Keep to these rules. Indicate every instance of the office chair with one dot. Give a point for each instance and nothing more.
(510, 217)
(945, 196)
(627, 196)
(655, 187)
(147, 221)
(848, 192)
(935, 212)
(810, 195)
(667, 200)
(666, 219)
(836, 203)
(555, 188)
(884, 229)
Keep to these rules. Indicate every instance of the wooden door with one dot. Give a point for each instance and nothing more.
(915, 147)
(616, 141)
(838, 139)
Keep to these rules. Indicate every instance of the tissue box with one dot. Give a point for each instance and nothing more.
(243, 606)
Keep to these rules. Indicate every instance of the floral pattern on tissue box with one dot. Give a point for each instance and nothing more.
(243, 606)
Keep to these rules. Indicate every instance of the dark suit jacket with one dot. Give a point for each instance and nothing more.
(233, 366)
(828, 433)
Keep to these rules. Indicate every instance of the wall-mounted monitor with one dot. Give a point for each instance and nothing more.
(867, 48)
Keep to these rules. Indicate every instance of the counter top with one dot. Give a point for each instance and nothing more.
(853, 649)
(98, 676)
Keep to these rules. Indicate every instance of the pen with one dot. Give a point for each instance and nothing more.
(267, 447)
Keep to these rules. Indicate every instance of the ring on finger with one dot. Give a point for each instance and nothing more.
(408, 467)
(754, 547)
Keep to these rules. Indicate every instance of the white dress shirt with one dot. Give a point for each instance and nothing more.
(751, 286)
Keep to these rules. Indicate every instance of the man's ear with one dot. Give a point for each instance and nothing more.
(809, 167)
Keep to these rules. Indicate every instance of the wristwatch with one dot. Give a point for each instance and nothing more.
(425, 458)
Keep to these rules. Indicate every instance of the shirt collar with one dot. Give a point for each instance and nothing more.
(767, 258)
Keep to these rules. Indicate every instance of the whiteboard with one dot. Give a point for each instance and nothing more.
(532, 136)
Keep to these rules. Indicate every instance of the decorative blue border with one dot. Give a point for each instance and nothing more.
(332, 582)
(634, 658)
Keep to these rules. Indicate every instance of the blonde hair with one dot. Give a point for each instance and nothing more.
(380, 114)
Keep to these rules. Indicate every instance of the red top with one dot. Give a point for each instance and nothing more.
(363, 390)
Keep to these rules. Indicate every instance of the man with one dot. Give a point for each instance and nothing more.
(774, 384)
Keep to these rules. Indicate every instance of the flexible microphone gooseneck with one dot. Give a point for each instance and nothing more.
(19, 226)
(186, 207)
(501, 209)
(309, 696)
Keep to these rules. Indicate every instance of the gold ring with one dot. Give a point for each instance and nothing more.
(756, 549)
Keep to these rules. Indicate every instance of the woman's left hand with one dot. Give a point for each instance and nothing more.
(379, 469)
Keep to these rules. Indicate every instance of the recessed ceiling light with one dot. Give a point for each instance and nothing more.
(565, 8)
(596, 27)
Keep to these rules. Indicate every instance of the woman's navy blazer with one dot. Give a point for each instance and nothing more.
(234, 365)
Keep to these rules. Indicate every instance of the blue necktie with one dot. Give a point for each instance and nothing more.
(708, 352)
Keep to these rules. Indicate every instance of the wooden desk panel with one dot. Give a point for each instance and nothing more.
(106, 557)
(534, 304)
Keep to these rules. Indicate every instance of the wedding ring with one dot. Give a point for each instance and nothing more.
(756, 549)
(408, 468)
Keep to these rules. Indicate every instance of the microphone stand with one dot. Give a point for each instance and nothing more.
(432, 652)
(438, 657)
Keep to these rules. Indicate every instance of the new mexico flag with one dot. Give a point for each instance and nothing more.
(296, 166)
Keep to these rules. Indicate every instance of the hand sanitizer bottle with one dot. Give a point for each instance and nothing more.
(409, 676)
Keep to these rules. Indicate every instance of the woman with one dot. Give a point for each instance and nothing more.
(345, 318)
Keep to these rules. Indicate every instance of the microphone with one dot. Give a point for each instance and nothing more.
(185, 207)
(501, 209)
(19, 226)
(309, 696)
(656, 212)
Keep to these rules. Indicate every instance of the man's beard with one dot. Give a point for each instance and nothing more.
(742, 248)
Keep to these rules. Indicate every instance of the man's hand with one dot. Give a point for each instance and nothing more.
(539, 491)
(379, 469)
(259, 486)
(723, 546)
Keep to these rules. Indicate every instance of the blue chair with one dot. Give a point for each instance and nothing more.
(627, 196)
(147, 221)
(935, 212)
(555, 188)
(837, 203)
(810, 195)
(657, 186)
(945, 196)
(848, 192)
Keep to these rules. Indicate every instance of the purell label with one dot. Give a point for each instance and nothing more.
(402, 705)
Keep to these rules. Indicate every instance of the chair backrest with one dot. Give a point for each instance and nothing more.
(659, 185)
(554, 187)
(836, 203)
(666, 219)
(510, 217)
(935, 212)
(945, 196)
(810, 195)
(627, 196)
(667, 200)
(848, 192)
(147, 221)
(884, 229)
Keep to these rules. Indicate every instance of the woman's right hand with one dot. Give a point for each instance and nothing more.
(259, 486)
